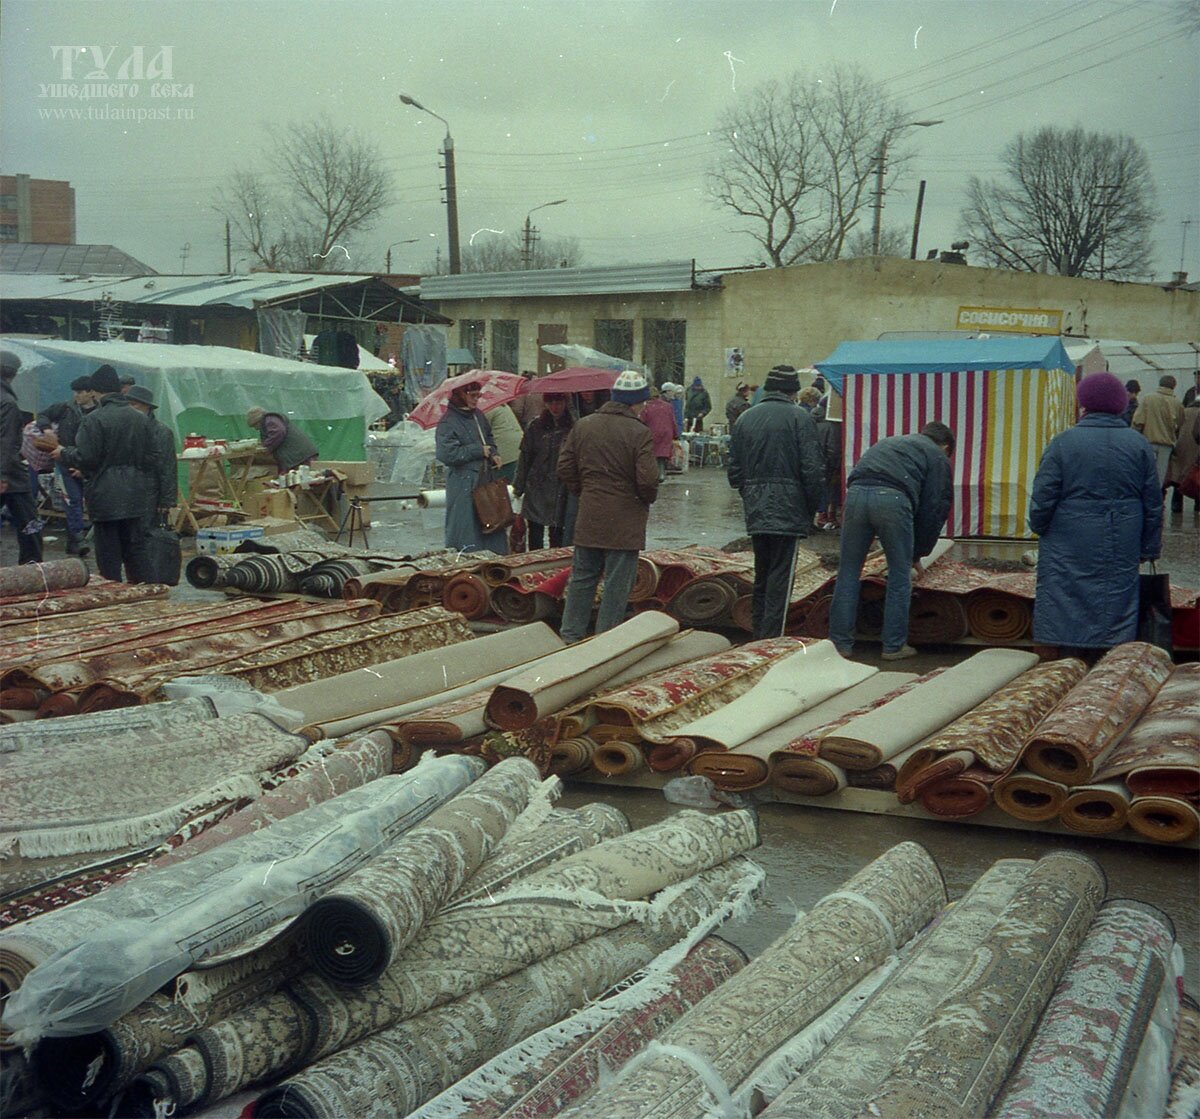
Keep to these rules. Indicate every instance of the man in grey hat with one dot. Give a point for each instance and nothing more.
(775, 464)
(166, 475)
(16, 490)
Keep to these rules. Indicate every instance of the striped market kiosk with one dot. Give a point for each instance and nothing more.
(1004, 399)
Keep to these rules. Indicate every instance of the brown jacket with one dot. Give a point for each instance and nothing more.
(1159, 417)
(608, 462)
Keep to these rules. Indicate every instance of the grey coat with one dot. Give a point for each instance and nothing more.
(537, 480)
(116, 450)
(775, 463)
(462, 451)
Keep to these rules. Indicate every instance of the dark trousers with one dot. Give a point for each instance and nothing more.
(536, 535)
(74, 490)
(121, 544)
(22, 507)
(774, 558)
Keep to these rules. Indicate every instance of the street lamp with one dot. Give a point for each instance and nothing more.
(451, 192)
(880, 158)
(388, 258)
(527, 235)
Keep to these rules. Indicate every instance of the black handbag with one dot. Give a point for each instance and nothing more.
(1154, 608)
(164, 560)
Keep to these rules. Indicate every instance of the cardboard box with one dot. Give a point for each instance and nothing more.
(356, 473)
(277, 504)
(222, 541)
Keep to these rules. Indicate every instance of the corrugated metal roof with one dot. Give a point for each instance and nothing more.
(78, 260)
(676, 275)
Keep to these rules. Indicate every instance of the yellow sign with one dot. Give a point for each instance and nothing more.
(1010, 320)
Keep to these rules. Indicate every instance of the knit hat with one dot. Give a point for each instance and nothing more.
(254, 417)
(782, 379)
(105, 380)
(696, 382)
(630, 388)
(1102, 392)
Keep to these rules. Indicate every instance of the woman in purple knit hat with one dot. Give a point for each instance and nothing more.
(1097, 508)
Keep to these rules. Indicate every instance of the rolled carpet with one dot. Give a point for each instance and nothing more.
(1026, 796)
(1185, 1063)
(615, 758)
(1160, 754)
(843, 938)
(541, 1075)
(869, 622)
(666, 757)
(936, 619)
(468, 595)
(994, 733)
(570, 755)
(810, 777)
(847, 1072)
(1164, 819)
(356, 930)
(97, 593)
(704, 601)
(956, 1062)
(1073, 739)
(998, 618)
(741, 614)
(870, 739)
(36, 578)
(404, 1066)
(518, 564)
(1082, 1053)
(208, 572)
(645, 581)
(816, 617)
(1098, 809)
(956, 798)
(522, 608)
(566, 676)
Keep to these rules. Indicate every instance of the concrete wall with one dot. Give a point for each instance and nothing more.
(799, 315)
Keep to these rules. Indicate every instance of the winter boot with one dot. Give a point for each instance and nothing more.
(76, 546)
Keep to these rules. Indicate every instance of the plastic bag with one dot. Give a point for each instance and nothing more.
(700, 792)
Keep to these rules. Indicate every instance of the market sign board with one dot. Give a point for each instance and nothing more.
(1011, 320)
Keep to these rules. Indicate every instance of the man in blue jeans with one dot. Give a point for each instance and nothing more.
(608, 463)
(899, 492)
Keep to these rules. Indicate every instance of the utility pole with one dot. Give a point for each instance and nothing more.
(880, 160)
(1105, 205)
(912, 254)
(451, 186)
(1183, 241)
(183, 255)
(228, 251)
(529, 233)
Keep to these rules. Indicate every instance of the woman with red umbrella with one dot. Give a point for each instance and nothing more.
(466, 446)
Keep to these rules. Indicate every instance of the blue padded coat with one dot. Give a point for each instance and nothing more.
(1097, 508)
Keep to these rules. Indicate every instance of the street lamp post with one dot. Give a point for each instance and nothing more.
(388, 258)
(880, 159)
(1105, 205)
(451, 190)
(527, 233)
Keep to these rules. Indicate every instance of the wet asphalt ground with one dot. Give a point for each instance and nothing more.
(807, 851)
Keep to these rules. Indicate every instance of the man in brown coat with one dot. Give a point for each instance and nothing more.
(1159, 417)
(608, 463)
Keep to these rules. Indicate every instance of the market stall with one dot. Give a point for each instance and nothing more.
(1004, 398)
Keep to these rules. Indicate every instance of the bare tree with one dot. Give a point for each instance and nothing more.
(499, 253)
(321, 185)
(800, 161)
(892, 242)
(1073, 202)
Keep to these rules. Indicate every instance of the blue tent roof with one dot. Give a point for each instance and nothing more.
(915, 355)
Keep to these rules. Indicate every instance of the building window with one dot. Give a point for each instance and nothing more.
(8, 232)
(505, 338)
(664, 349)
(615, 337)
(470, 337)
(8, 201)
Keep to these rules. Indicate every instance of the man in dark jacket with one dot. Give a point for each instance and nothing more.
(64, 417)
(289, 446)
(16, 492)
(166, 490)
(738, 403)
(696, 405)
(899, 491)
(608, 463)
(775, 464)
(114, 451)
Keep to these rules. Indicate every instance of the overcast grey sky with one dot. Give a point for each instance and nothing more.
(605, 103)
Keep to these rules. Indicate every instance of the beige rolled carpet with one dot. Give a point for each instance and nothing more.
(382, 686)
(871, 739)
(1072, 741)
(843, 938)
(574, 672)
(570, 755)
(1097, 809)
(618, 759)
(1164, 819)
(750, 764)
(788, 688)
(936, 619)
(1030, 797)
(998, 618)
(811, 777)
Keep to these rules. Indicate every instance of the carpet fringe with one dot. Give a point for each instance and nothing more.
(535, 814)
(652, 982)
(134, 832)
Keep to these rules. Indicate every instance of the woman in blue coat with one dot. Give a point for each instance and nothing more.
(1097, 508)
(464, 444)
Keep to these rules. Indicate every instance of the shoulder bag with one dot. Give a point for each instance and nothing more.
(490, 495)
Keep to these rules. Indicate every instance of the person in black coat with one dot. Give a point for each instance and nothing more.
(537, 483)
(15, 489)
(775, 464)
(115, 452)
(64, 417)
(166, 490)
